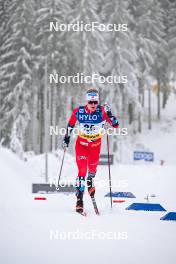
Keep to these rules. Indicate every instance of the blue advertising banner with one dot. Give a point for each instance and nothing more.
(143, 155)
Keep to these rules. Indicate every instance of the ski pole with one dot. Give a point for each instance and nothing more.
(57, 188)
(109, 169)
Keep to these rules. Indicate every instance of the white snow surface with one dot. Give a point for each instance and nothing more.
(51, 232)
(43, 231)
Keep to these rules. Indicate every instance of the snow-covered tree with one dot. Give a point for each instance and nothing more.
(120, 56)
(150, 45)
(30, 51)
(51, 50)
(172, 40)
(15, 68)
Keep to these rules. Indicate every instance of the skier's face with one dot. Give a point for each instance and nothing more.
(92, 105)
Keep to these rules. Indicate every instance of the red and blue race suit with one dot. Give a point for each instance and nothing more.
(88, 143)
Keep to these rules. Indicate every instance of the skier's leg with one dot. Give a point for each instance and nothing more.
(80, 186)
(93, 159)
(81, 160)
(90, 184)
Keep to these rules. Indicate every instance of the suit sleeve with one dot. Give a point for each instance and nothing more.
(111, 119)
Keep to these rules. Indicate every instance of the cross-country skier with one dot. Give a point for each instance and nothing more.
(91, 119)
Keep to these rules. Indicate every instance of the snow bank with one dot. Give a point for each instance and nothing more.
(50, 232)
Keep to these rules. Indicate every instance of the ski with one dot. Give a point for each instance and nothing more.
(82, 213)
(95, 205)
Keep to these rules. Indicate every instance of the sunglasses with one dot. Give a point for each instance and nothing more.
(93, 102)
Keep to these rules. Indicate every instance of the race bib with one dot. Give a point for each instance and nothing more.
(90, 125)
(91, 131)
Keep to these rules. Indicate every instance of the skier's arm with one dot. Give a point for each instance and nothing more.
(109, 117)
(70, 126)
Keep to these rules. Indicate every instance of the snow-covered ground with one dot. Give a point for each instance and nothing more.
(50, 232)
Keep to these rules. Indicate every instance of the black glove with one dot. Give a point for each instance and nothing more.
(113, 119)
(107, 109)
(66, 141)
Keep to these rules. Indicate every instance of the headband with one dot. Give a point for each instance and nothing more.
(92, 96)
